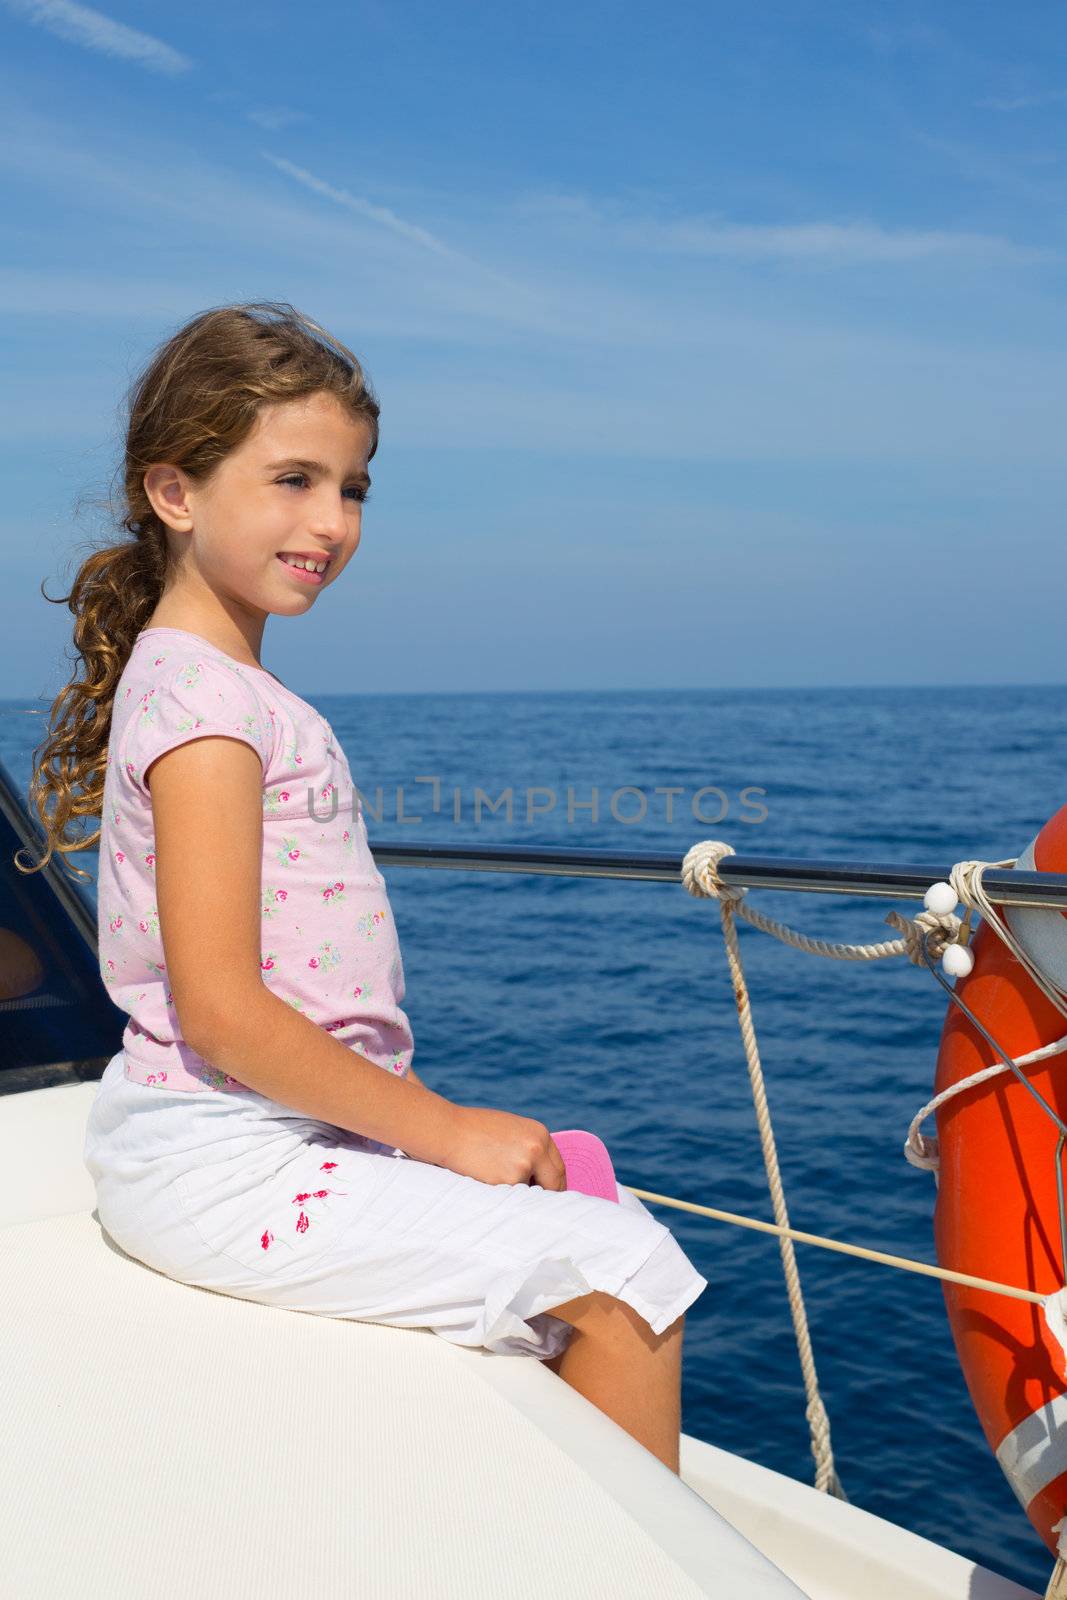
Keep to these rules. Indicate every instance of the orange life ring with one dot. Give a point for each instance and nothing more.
(996, 1214)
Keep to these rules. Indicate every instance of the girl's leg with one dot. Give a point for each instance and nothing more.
(633, 1375)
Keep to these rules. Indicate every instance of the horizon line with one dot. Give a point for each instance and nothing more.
(771, 688)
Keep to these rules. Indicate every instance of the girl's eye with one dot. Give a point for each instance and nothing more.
(301, 477)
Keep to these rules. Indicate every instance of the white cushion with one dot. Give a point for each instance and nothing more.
(164, 1440)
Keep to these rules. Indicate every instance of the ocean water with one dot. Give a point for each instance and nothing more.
(607, 1005)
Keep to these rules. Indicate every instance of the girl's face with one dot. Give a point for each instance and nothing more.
(294, 488)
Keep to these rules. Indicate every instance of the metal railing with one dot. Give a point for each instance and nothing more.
(1003, 885)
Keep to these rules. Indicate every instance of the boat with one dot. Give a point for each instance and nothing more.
(287, 1454)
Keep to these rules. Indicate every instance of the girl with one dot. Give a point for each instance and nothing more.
(262, 1132)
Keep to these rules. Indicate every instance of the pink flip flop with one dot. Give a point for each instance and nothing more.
(588, 1164)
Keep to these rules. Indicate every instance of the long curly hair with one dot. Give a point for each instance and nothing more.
(195, 401)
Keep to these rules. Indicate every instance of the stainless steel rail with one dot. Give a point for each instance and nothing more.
(1003, 885)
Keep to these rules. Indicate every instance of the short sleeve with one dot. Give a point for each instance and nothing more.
(192, 699)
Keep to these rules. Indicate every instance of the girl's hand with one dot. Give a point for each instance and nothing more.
(500, 1147)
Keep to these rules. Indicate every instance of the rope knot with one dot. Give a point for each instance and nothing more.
(942, 929)
(700, 871)
(966, 878)
(922, 1150)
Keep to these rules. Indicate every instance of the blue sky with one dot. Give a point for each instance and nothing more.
(720, 346)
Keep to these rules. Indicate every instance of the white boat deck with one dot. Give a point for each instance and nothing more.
(164, 1440)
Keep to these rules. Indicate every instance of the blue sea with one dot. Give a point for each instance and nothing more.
(607, 1005)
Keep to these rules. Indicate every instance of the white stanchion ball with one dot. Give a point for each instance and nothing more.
(957, 960)
(941, 899)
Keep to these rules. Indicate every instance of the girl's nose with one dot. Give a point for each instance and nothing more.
(329, 524)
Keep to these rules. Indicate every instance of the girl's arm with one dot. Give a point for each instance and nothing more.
(207, 803)
(207, 808)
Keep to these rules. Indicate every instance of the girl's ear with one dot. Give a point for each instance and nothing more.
(167, 488)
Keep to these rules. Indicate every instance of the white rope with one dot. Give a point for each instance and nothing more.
(903, 1263)
(936, 929)
(922, 1150)
(966, 880)
(924, 936)
(701, 878)
(928, 930)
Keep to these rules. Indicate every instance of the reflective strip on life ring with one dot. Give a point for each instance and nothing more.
(1035, 1453)
(1042, 936)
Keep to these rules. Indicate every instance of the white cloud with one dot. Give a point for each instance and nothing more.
(1022, 102)
(274, 118)
(843, 243)
(1008, 173)
(577, 350)
(832, 243)
(364, 208)
(82, 25)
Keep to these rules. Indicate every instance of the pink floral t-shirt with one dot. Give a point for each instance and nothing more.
(329, 947)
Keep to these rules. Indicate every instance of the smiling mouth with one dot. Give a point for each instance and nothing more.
(299, 570)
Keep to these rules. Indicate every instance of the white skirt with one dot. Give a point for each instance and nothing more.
(231, 1191)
